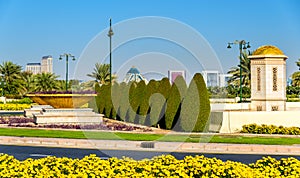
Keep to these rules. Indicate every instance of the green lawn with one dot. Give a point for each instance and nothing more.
(146, 137)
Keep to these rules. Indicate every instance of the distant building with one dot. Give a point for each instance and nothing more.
(173, 74)
(46, 64)
(134, 75)
(213, 78)
(223, 79)
(34, 68)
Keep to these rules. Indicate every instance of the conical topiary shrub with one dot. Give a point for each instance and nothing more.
(195, 108)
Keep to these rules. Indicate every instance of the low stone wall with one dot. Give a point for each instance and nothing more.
(232, 121)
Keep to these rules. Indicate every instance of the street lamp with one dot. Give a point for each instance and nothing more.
(67, 63)
(110, 34)
(243, 45)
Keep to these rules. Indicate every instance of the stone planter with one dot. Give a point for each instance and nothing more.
(62, 100)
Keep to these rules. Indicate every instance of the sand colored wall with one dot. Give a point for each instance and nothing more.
(232, 121)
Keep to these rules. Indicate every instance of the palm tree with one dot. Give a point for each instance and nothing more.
(28, 84)
(296, 79)
(246, 72)
(101, 73)
(298, 63)
(11, 75)
(296, 76)
(46, 82)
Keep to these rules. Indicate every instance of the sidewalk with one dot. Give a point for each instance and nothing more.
(220, 148)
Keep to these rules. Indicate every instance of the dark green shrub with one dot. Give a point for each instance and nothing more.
(107, 100)
(134, 93)
(173, 103)
(195, 106)
(150, 89)
(124, 101)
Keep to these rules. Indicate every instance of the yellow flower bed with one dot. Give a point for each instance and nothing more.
(161, 166)
(11, 107)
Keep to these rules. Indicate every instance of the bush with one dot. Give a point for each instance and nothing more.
(14, 107)
(177, 93)
(270, 129)
(195, 106)
(159, 166)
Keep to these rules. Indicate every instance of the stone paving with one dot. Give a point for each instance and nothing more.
(221, 148)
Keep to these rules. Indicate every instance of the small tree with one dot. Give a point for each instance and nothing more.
(195, 106)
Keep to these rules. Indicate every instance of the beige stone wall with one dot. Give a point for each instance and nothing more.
(234, 120)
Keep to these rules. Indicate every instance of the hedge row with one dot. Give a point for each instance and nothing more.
(270, 129)
(14, 107)
(160, 166)
(173, 106)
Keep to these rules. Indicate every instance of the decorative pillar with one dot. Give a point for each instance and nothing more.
(268, 79)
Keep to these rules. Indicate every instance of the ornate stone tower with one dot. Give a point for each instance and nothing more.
(268, 79)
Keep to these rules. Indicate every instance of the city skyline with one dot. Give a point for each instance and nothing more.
(31, 29)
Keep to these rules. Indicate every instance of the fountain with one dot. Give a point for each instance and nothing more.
(63, 108)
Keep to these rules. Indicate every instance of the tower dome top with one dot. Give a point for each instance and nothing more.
(268, 50)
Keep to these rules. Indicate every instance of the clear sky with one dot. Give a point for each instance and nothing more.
(30, 29)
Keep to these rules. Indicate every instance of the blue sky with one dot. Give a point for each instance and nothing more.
(31, 29)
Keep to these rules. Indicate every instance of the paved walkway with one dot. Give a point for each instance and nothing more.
(154, 146)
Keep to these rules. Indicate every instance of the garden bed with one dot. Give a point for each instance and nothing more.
(107, 124)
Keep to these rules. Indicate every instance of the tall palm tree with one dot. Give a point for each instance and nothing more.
(46, 82)
(11, 75)
(28, 84)
(296, 79)
(101, 73)
(298, 63)
(246, 71)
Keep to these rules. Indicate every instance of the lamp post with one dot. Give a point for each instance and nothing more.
(243, 45)
(67, 67)
(110, 34)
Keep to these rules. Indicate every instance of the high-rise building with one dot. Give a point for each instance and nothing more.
(34, 68)
(46, 64)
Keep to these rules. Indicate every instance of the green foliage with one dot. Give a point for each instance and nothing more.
(150, 89)
(177, 93)
(46, 82)
(164, 87)
(270, 129)
(136, 99)
(95, 103)
(102, 73)
(106, 91)
(195, 106)
(12, 77)
(115, 96)
(22, 101)
(124, 101)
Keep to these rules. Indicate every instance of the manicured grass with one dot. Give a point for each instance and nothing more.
(146, 137)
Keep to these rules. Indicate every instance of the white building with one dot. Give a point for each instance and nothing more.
(223, 79)
(47, 64)
(34, 68)
(214, 78)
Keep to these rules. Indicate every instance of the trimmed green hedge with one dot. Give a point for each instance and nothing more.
(157, 103)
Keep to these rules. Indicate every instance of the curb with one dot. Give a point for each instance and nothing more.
(216, 148)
